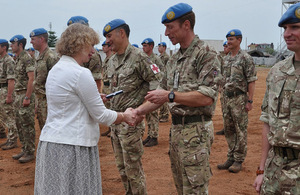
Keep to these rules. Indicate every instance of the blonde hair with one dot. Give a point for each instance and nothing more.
(75, 38)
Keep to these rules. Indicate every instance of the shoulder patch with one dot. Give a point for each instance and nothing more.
(155, 68)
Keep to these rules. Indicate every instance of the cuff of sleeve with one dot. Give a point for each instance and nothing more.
(264, 117)
(208, 92)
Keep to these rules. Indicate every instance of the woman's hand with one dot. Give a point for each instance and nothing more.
(131, 117)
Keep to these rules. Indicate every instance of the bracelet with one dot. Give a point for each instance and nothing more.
(259, 172)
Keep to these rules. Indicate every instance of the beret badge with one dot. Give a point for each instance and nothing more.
(107, 28)
(32, 34)
(297, 12)
(232, 33)
(16, 39)
(170, 15)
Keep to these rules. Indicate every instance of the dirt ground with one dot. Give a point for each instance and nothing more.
(18, 179)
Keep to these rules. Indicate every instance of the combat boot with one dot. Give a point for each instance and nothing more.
(236, 167)
(152, 142)
(221, 132)
(146, 140)
(226, 165)
(9, 145)
(26, 158)
(2, 135)
(18, 156)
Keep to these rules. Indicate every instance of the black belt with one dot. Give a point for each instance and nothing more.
(231, 94)
(3, 85)
(290, 153)
(181, 120)
(106, 83)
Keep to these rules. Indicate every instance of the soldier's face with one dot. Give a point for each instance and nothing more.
(175, 32)
(114, 39)
(2, 49)
(226, 49)
(14, 47)
(146, 48)
(292, 37)
(105, 48)
(36, 42)
(233, 42)
(161, 49)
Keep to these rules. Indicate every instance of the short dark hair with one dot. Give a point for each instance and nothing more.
(5, 45)
(23, 41)
(126, 28)
(190, 17)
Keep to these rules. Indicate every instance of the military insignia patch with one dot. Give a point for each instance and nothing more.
(107, 28)
(146, 41)
(155, 68)
(32, 34)
(15, 39)
(297, 12)
(232, 33)
(170, 15)
(70, 22)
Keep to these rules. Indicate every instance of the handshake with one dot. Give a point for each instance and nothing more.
(132, 117)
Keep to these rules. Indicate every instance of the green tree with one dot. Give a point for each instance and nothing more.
(270, 51)
(52, 38)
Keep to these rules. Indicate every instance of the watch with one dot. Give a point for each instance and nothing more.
(26, 98)
(171, 96)
(250, 101)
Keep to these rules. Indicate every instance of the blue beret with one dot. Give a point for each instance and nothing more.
(3, 41)
(30, 49)
(112, 25)
(225, 43)
(78, 19)
(176, 12)
(104, 43)
(97, 49)
(17, 38)
(234, 32)
(11, 54)
(38, 31)
(147, 41)
(291, 16)
(135, 45)
(163, 44)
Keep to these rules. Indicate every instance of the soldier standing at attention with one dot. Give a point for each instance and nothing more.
(190, 85)
(135, 74)
(95, 63)
(152, 117)
(24, 103)
(7, 83)
(106, 84)
(239, 76)
(278, 171)
(163, 111)
(222, 55)
(44, 62)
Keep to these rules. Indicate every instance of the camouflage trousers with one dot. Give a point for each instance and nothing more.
(128, 150)
(25, 122)
(7, 116)
(189, 155)
(164, 111)
(235, 127)
(282, 176)
(152, 123)
(106, 90)
(41, 109)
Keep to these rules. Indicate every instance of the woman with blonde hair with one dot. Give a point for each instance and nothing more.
(67, 156)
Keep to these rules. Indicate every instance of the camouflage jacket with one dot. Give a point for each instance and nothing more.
(24, 64)
(164, 57)
(44, 63)
(95, 66)
(156, 60)
(238, 71)
(281, 105)
(134, 76)
(105, 68)
(7, 68)
(197, 69)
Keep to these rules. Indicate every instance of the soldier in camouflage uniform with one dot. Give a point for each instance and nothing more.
(24, 103)
(240, 76)
(222, 56)
(7, 82)
(132, 72)
(163, 111)
(95, 63)
(45, 61)
(190, 86)
(279, 169)
(152, 117)
(106, 85)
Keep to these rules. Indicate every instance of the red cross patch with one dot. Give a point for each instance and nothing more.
(155, 68)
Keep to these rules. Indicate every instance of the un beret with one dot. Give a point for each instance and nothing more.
(3, 41)
(78, 19)
(147, 41)
(16, 38)
(112, 25)
(291, 16)
(162, 43)
(38, 31)
(234, 32)
(175, 12)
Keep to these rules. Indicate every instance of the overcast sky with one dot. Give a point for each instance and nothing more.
(257, 19)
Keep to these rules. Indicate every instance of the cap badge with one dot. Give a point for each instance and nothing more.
(32, 34)
(170, 15)
(232, 33)
(15, 39)
(107, 28)
(297, 12)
